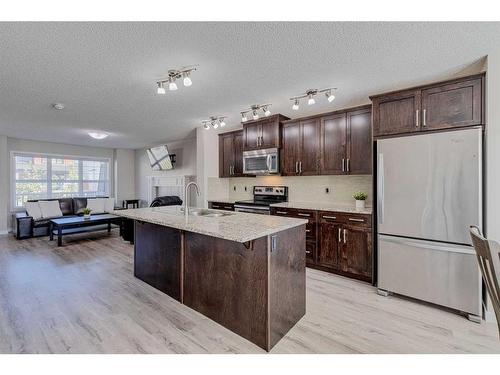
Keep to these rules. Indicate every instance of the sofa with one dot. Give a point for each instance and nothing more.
(27, 227)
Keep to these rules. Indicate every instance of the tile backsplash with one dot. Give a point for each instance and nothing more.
(300, 189)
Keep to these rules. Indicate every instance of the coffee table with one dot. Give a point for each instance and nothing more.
(78, 224)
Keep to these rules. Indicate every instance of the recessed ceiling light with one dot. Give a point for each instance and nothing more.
(58, 106)
(97, 135)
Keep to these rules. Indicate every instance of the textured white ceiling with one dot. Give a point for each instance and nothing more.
(105, 72)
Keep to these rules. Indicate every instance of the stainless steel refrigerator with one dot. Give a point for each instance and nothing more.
(429, 191)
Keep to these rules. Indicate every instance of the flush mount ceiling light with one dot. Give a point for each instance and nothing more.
(98, 135)
(174, 75)
(58, 106)
(214, 122)
(310, 94)
(255, 111)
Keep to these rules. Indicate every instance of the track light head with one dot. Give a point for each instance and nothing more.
(329, 96)
(206, 126)
(222, 123)
(161, 89)
(311, 100)
(255, 115)
(266, 110)
(243, 117)
(172, 86)
(295, 105)
(187, 81)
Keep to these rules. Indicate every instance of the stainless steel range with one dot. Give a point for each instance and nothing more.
(263, 197)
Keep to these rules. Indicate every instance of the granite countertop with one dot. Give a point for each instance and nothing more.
(223, 200)
(237, 226)
(324, 207)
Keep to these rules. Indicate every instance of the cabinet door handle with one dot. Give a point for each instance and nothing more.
(306, 215)
(296, 167)
(282, 212)
(308, 230)
(416, 118)
(340, 240)
(358, 220)
(343, 165)
(345, 235)
(215, 206)
(300, 166)
(228, 207)
(329, 217)
(348, 165)
(308, 252)
(424, 121)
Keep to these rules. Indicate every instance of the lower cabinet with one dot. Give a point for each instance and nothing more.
(337, 242)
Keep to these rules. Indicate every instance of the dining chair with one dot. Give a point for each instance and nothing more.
(488, 257)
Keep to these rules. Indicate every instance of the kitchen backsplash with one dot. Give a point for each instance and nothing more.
(300, 189)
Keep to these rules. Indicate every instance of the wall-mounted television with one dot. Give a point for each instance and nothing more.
(160, 159)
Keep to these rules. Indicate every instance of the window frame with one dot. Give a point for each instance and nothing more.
(49, 180)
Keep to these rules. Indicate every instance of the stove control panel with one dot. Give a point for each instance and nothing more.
(270, 190)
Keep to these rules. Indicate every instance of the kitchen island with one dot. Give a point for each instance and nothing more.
(244, 271)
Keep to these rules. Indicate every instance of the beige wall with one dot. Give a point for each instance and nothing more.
(301, 189)
(124, 160)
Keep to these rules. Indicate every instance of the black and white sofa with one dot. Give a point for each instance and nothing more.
(34, 222)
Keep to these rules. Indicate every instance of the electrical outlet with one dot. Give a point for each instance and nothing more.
(327, 190)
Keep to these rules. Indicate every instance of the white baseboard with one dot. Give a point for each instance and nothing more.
(4, 232)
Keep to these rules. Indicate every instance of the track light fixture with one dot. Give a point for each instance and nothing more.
(173, 76)
(310, 94)
(214, 122)
(255, 108)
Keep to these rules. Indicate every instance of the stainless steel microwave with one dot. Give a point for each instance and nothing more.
(261, 161)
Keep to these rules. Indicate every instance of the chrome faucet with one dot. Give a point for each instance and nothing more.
(186, 196)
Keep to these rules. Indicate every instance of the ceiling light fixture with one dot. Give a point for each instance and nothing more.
(98, 135)
(214, 122)
(310, 94)
(58, 106)
(173, 75)
(161, 89)
(254, 109)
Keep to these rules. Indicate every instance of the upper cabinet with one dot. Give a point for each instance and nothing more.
(263, 133)
(231, 154)
(301, 152)
(443, 105)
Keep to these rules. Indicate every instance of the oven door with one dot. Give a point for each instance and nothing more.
(252, 209)
(261, 161)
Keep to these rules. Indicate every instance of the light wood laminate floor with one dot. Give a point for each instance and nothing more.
(83, 298)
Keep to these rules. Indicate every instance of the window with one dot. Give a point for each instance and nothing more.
(45, 176)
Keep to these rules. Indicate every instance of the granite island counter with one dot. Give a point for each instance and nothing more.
(244, 271)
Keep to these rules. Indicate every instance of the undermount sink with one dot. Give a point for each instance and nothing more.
(207, 213)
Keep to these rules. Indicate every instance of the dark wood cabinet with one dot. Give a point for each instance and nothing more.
(263, 133)
(451, 105)
(359, 142)
(346, 142)
(444, 105)
(333, 143)
(329, 254)
(301, 148)
(231, 154)
(337, 242)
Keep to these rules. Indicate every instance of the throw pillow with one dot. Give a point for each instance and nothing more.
(96, 205)
(109, 204)
(50, 209)
(33, 210)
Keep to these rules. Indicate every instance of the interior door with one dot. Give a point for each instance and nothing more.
(329, 252)
(290, 149)
(333, 144)
(309, 147)
(396, 114)
(430, 185)
(238, 154)
(252, 135)
(359, 145)
(456, 104)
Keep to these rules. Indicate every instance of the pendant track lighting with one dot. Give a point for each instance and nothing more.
(310, 94)
(214, 122)
(254, 109)
(173, 76)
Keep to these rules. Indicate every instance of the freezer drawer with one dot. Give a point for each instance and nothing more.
(443, 274)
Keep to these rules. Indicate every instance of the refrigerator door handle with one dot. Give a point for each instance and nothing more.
(380, 189)
(429, 245)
